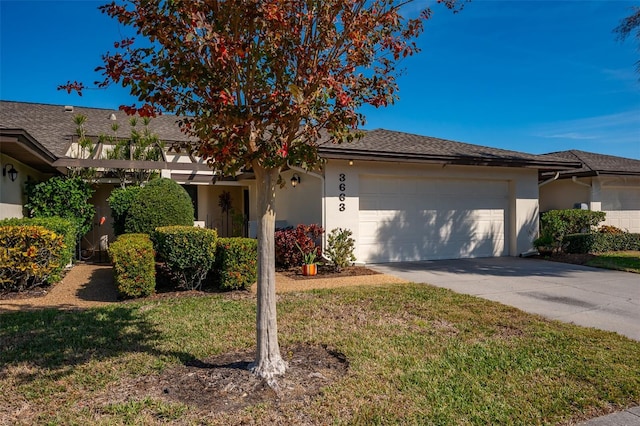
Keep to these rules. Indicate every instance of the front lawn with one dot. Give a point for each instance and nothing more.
(416, 355)
(620, 260)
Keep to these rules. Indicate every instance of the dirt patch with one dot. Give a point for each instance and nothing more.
(224, 383)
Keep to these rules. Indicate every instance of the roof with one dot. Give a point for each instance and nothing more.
(53, 126)
(597, 164)
(390, 145)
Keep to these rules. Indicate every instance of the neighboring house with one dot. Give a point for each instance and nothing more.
(603, 183)
(404, 196)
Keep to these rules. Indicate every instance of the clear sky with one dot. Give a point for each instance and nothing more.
(533, 76)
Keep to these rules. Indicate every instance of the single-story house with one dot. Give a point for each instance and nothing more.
(404, 196)
(603, 183)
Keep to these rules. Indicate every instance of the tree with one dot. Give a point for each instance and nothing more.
(627, 27)
(260, 83)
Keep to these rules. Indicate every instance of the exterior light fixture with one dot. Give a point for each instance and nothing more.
(295, 180)
(13, 173)
(351, 162)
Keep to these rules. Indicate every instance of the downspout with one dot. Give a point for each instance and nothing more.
(555, 177)
(324, 204)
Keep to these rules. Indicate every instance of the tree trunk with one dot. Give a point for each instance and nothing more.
(269, 362)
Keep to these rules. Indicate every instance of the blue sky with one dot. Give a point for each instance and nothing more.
(532, 76)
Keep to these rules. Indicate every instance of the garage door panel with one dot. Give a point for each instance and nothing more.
(442, 225)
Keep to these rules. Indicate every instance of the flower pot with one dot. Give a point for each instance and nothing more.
(310, 270)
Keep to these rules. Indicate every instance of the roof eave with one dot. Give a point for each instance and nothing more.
(347, 154)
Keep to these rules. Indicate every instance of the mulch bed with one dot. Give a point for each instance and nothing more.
(326, 271)
(573, 258)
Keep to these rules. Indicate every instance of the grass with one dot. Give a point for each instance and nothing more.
(620, 260)
(417, 355)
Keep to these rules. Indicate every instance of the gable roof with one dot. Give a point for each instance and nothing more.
(390, 145)
(594, 164)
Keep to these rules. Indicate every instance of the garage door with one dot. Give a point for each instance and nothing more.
(403, 219)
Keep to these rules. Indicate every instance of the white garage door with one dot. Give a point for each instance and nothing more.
(403, 219)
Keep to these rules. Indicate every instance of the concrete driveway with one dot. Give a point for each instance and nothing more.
(591, 297)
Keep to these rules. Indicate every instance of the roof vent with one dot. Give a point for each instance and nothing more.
(68, 108)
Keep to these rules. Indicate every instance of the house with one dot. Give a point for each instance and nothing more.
(404, 196)
(603, 183)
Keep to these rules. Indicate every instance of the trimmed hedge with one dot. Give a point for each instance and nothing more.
(558, 223)
(134, 267)
(162, 202)
(120, 200)
(30, 256)
(601, 242)
(188, 251)
(236, 266)
(61, 226)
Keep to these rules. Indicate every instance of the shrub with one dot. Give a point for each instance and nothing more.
(61, 226)
(162, 202)
(608, 229)
(291, 243)
(62, 197)
(120, 200)
(30, 256)
(600, 242)
(236, 266)
(134, 269)
(558, 223)
(188, 251)
(340, 247)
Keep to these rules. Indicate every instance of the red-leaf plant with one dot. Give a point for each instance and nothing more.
(260, 84)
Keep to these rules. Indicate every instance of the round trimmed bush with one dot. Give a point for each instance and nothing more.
(162, 202)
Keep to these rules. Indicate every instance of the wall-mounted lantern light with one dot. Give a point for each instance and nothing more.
(295, 180)
(13, 173)
(351, 162)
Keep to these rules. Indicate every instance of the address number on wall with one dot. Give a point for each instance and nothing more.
(342, 186)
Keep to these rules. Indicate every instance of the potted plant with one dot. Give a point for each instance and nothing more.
(309, 267)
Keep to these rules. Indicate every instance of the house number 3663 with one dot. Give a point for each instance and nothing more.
(342, 186)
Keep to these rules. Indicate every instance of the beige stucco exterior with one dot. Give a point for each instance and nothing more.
(12, 196)
(618, 196)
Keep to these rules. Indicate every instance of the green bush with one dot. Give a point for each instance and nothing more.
(62, 197)
(61, 226)
(120, 200)
(600, 242)
(340, 247)
(162, 202)
(236, 266)
(188, 251)
(558, 223)
(134, 267)
(30, 256)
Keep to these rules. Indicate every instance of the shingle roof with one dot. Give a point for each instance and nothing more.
(393, 145)
(53, 127)
(594, 164)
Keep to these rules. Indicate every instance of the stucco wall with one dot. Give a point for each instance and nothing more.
(564, 194)
(302, 204)
(12, 196)
(618, 196)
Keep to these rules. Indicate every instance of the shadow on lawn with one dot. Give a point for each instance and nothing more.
(54, 339)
